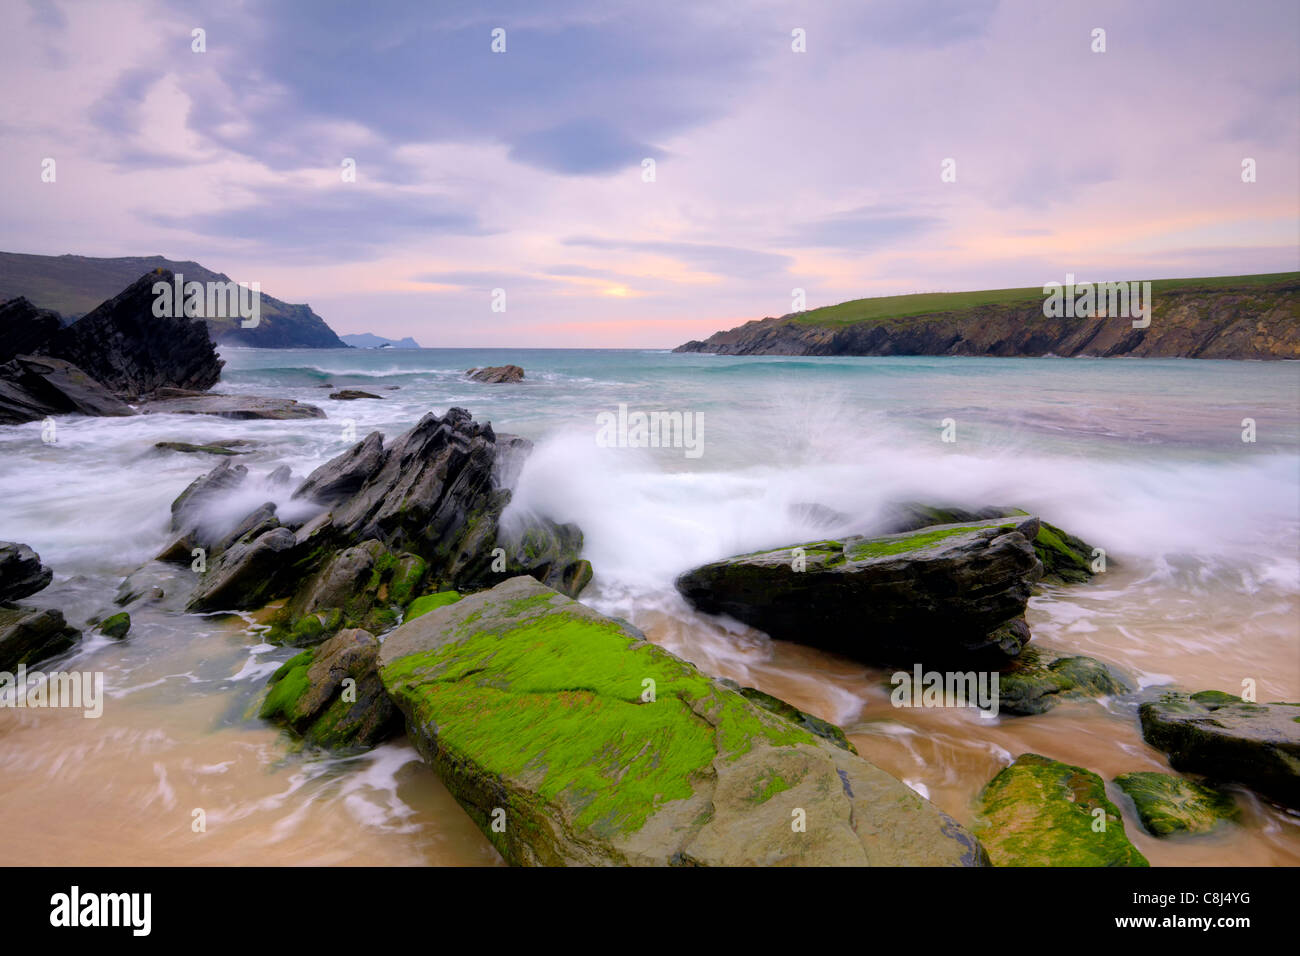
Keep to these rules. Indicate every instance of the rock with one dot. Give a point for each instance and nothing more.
(496, 374)
(529, 703)
(245, 575)
(215, 448)
(307, 694)
(280, 477)
(24, 327)
(21, 571)
(550, 553)
(1066, 559)
(1038, 681)
(131, 351)
(350, 394)
(189, 513)
(116, 626)
(1167, 804)
(1225, 738)
(234, 406)
(814, 725)
(254, 525)
(343, 476)
(28, 636)
(948, 592)
(1039, 812)
(431, 602)
(34, 386)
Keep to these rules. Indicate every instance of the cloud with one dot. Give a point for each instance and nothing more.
(699, 257)
(863, 230)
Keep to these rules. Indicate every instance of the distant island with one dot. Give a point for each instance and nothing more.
(74, 285)
(365, 340)
(1223, 317)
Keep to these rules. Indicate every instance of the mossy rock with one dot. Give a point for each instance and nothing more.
(1168, 804)
(331, 695)
(431, 602)
(116, 625)
(1041, 812)
(1036, 683)
(814, 725)
(586, 744)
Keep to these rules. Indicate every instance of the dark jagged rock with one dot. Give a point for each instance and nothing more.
(28, 636)
(351, 394)
(1040, 812)
(947, 592)
(188, 523)
(131, 351)
(1226, 738)
(24, 328)
(1167, 804)
(21, 571)
(537, 713)
(496, 374)
(253, 525)
(332, 696)
(35, 386)
(239, 407)
(343, 475)
(1039, 680)
(248, 574)
(224, 448)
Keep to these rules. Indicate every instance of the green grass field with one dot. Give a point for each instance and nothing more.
(889, 307)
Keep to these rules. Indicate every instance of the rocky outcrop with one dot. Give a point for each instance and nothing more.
(124, 346)
(949, 592)
(21, 572)
(233, 406)
(1039, 680)
(1232, 317)
(1167, 804)
(331, 696)
(351, 394)
(1041, 812)
(496, 374)
(570, 739)
(34, 386)
(29, 635)
(24, 327)
(1228, 739)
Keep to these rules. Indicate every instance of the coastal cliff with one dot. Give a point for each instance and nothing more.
(1230, 317)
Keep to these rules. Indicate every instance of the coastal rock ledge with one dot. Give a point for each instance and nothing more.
(571, 740)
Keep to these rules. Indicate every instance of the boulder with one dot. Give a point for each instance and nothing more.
(1167, 804)
(248, 574)
(29, 635)
(496, 374)
(951, 592)
(1039, 680)
(35, 386)
(570, 739)
(24, 327)
(1228, 739)
(1041, 812)
(308, 694)
(116, 625)
(240, 407)
(131, 351)
(21, 571)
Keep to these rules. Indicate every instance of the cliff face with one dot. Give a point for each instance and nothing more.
(1218, 320)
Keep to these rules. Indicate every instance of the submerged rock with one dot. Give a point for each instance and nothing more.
(947, 592)
(116, 625)
(30, 635)
(213, 448)
(331, 696)
(1041, 812)
(1167, 804)
(496, 374)
(570, 739)
(33, 387)
(1036, 682)
(351, 394)
(1226, 738)
(233, 406)
(21, 571)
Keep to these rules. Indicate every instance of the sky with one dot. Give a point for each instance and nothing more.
(638, 174)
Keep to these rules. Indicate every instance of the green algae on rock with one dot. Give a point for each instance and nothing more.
(1226, 738)
(1168, 804)
(116, 625)
(814, 725)
(1036, 683)
(947, 593)
(1041, 812)
(571, 739)
(431, 602)
(331, 696)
